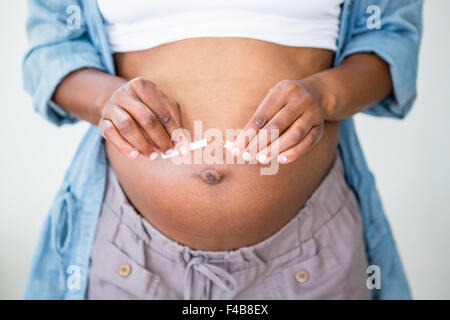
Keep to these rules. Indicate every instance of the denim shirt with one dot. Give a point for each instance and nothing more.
(58, 46)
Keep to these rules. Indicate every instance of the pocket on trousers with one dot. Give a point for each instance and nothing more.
(114, 275)
(318, 277)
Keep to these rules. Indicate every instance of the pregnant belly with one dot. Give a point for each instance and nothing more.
(219, 83)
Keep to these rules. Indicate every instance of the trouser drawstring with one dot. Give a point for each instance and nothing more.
(211, 272)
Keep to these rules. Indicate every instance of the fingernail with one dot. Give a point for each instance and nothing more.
(169, 152)
(134, 154)
(183, 150)
(235, 150)
(246, 156)
(282, 158)
(154, 156)
(262, 158)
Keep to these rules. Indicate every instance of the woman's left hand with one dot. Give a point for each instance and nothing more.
(292, 109)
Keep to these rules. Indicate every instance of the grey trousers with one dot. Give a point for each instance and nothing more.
(319, 254)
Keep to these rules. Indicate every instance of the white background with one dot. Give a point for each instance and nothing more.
(410, 159)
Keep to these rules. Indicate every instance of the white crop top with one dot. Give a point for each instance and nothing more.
(134, 25)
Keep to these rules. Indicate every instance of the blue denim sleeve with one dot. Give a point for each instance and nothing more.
(396, 41)
(59, 44)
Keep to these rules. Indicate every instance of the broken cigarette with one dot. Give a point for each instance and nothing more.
(192, 146)
(227, 144)
(198, 145)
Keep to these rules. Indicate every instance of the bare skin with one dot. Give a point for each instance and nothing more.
(225, 83)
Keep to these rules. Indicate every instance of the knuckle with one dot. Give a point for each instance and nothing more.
(164, 118)
(144, 119)
(119, 94)
(107, 129)
(125, 124)
(296, 134)
(136, 84)
(287, 85)
(258, 121)
(149, 120)
(274, 126)
(282, 83)
(107, 108)
(139, 83)
(140, 79)
(307, 98)
(311, 138)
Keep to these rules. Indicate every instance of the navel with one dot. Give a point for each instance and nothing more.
(211, 177)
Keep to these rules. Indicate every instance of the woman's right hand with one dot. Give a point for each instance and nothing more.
(139, 119)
